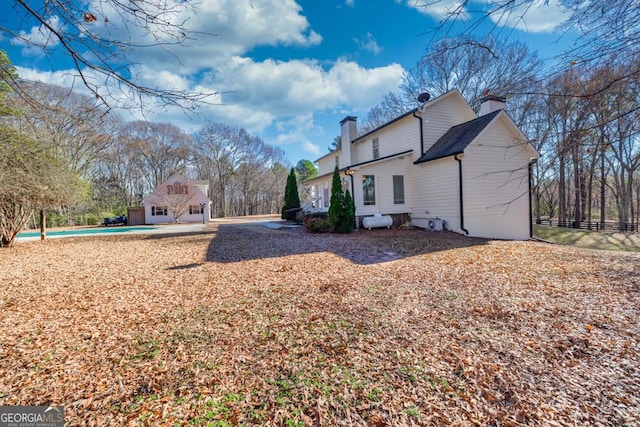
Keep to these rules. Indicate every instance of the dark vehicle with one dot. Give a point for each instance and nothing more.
(119, 220)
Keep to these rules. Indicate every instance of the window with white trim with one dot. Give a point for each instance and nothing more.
(368, 190)
(376, 148)
(195, 209)
(325, 195)
(159, 210)
(398, 189)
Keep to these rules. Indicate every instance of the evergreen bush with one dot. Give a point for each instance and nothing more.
(291, 196)
(351, 209)
(339, 218)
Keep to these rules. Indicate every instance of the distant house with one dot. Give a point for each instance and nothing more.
(178, 200)
(439, 165)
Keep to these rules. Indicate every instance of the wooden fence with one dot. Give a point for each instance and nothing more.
(592, 226)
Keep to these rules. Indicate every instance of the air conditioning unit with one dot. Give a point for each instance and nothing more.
(435, 224)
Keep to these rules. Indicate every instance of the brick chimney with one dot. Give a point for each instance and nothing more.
(491, 103)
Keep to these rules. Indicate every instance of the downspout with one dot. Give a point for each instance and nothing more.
(352, 189)
(531, 163)
(353, 196)
(461, 196)
(421, 133)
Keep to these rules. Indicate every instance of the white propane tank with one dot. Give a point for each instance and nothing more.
(377, 221)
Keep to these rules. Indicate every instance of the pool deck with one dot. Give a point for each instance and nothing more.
(270, 221)
(115, 230)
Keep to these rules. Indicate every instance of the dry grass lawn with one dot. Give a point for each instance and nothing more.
(246, 325)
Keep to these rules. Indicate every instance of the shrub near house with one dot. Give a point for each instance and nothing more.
(291, 197)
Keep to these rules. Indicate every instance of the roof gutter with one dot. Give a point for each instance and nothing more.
(421, 132)
(461, 195)
(531, 163)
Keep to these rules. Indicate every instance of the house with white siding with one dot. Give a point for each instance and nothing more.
(178, 200)
(439, 165)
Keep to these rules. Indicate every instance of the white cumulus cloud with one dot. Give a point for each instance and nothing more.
(38, 37)
(440, 9)
(537, 16)
(218, 30)
(369, 44)
(271, 89)
(283, 97)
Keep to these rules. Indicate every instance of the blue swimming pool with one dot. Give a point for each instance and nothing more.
(80, 231)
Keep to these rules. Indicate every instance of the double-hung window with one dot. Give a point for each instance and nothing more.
(368, 190)
(159, 211)
(376, 149)
(398, 189)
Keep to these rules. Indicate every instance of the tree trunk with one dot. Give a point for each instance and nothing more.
(577, 215)
(536, 193)
(592, 171)
(562, 207)
(43, 224)
(603, 179)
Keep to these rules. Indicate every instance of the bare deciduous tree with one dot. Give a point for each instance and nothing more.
(30, 179)
(73, 125)
(159, 150)
(218, 153)
(101, 39)
(505, 68)
(246, 175)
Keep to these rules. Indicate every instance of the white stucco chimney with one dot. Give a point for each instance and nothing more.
(491, 103)
(348, 132)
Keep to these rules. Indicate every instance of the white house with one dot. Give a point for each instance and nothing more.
(178, 200)
(438, 165)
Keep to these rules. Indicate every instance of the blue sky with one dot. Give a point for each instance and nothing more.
(287, 71)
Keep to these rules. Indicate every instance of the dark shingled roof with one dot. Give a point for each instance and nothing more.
(456, 139)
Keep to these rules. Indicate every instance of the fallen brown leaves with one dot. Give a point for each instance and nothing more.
(250, 325)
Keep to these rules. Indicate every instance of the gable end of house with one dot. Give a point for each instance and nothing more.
(457, 138)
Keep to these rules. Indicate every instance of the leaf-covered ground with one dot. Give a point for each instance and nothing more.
(248, 325)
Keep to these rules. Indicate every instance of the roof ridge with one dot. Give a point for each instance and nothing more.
(491, 114)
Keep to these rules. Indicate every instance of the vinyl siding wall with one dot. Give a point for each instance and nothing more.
(435, 193)
(383, 173)
(437, 120)
(327, 163)
(496, 189)
(401, 136)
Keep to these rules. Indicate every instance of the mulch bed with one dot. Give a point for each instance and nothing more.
(249, 325)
